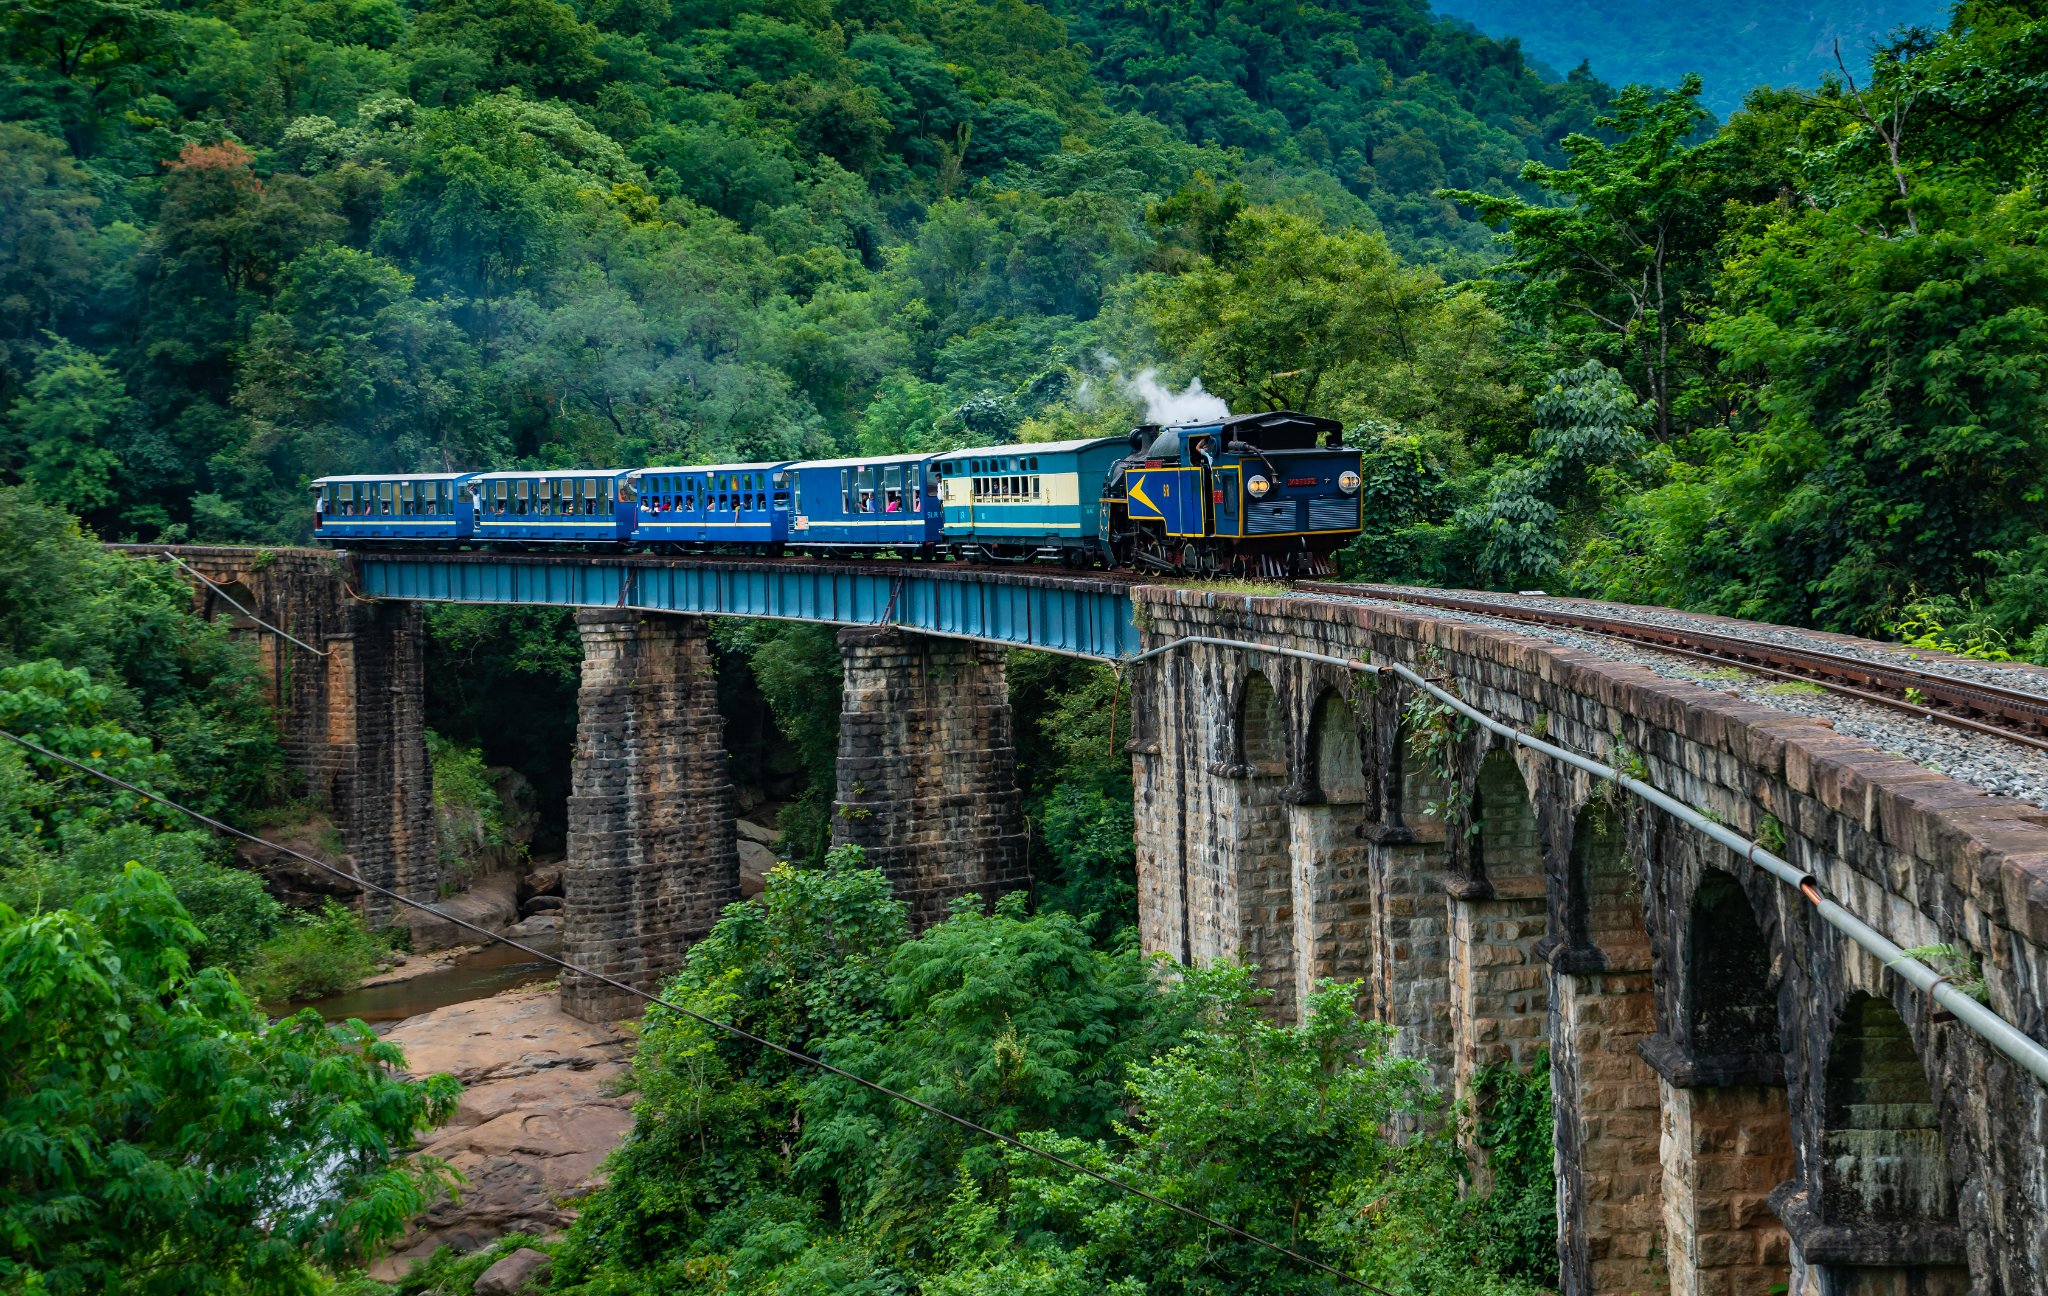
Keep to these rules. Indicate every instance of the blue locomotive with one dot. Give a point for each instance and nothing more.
(1269, 494)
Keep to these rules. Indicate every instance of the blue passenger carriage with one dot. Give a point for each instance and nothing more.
(552, 506)
(713, 504)
(391, 508)
(1029, 501)
(872, 504)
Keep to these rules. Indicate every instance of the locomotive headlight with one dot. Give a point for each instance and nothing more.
(1257, 486)
(1348, 482)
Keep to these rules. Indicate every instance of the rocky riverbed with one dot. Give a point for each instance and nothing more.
(538, 1116)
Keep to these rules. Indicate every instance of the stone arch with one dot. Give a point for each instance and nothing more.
(1499, 913)
(1881, 1149)
(1886, 1213)
(1336, 758)
(1417, 784)
(1507, 848)
(1603, 908)
(1261, 729)
(1727, 1121)
(219, 608)
(1731, 996)
(1333, 919)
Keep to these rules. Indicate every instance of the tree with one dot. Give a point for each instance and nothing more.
(1628, 256)
(157, 1136)
(1538, 510)
(47, 261)
(1291, 313)
(62, 423)
(101, 54)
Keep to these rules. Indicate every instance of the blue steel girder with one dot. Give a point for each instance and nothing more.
(1078, 615)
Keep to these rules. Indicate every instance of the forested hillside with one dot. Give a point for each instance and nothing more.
(1734, 46)
(1793, 367)
(248, 243)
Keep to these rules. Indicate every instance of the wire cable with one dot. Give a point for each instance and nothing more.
(737, 1032)
(229, 599)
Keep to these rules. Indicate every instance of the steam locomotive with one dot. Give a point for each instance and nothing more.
(1252, 494)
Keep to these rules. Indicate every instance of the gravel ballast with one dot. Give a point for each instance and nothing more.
(1997, 766)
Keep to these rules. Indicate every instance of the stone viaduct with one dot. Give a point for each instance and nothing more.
(1745, 1102)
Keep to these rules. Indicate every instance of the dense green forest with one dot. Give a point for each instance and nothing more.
(1793, 365)
(1734, 47)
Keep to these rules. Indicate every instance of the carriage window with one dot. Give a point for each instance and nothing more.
(385, 494)
(864, 488)
(781, 483)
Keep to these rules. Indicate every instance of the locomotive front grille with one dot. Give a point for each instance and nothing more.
(1272, 517)
(1333, 515)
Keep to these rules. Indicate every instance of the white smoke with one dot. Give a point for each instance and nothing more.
(1165, 405)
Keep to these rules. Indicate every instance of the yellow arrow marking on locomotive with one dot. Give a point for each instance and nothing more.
(1138, 494)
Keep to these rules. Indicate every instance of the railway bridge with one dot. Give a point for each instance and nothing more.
(1745, 1099)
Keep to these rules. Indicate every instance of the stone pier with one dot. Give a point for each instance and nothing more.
(652, 851)
(350, 702)
(928, 768)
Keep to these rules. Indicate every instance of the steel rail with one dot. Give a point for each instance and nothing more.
(2025, 713)
(2001, 1034)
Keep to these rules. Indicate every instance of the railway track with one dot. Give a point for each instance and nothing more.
(2013, 714)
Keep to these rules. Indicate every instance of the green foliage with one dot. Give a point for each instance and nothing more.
(1515, 1223)
(157, 1136)
(1959, 963)
(747, 1174)
(315, 956)
(797, 669)
(1541, 508)
(62, 423)
(479, 656)
(1291, 314)
(469, 818)
(1073, 721)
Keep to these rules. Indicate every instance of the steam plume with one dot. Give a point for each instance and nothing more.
(1164, 405)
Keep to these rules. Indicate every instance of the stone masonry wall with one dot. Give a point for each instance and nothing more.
(928, 768)
(653, 855)
(1683, 1195)
(352, 722)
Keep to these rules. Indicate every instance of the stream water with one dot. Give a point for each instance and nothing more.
(475, 975)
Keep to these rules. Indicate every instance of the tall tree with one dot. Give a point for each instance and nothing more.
(1625, 261)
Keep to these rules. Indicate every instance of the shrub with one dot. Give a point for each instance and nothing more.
(317, 955)
(469, 819)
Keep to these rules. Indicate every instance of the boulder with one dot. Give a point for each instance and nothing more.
(753, 832)
(489, 903)
(755, 861)
(538, 1115)
(524, 1270)
(292, 881)
(542, 879)
(539, 925)
(542, 904)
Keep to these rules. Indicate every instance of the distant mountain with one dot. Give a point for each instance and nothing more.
(1733, 45)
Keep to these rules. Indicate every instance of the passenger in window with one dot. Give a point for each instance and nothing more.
(895, 504)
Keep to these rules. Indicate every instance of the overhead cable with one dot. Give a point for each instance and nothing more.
(229, 599)
(794, 1055)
